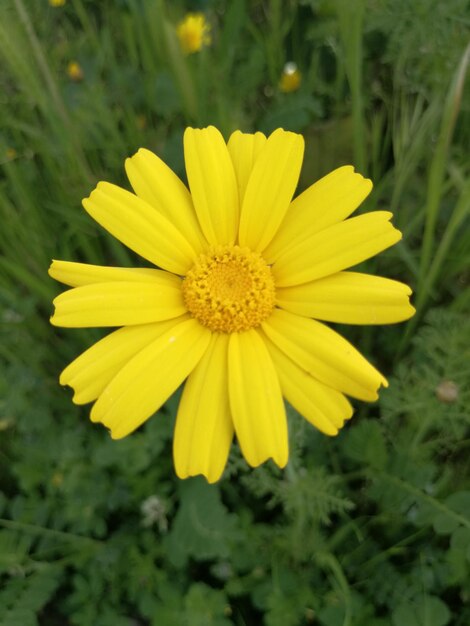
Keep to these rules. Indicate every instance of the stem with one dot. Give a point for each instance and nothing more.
(42, 61)
(33, 528)
(332, 562)
(424, 496)
(439, 164)
(351, 16)
(55, 95)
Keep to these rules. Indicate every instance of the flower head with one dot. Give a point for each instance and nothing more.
(290, 78)
(193, 33)
(11, 154)
(74, 71)
(57, 3)
(245, 274)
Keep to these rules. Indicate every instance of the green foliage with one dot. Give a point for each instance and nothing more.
(24, 597)
(424, 39)
(202, 528)
(370, 528)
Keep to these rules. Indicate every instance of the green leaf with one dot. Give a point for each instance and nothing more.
(288, 609)
(202, 527)
(435, 612)
(18, 617)
(405, 614)
(22, 598)
(332, 616)
(458, 555)
(292, 112)
(206, 607)
(365, 444)
(423, 611)
(167, 100)
(459, 502)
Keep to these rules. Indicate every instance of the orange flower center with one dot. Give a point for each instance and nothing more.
(229, 289)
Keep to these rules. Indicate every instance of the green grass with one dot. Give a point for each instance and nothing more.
(368, 529)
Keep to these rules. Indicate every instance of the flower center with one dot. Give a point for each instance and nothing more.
(229, 289)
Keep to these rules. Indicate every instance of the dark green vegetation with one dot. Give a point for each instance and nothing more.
(369, 529)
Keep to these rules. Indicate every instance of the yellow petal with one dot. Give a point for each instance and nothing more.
(244, 149)
(78, 274)
(349, 298)
(325, 408)
(336, 248)
(144, 230)
(256, 401)
(90, 372)
(204, 429)
(270, 188)
(150, 377)
(213, 184)
(328, 201)
(119, 303)
(324, 354)
(154, 182)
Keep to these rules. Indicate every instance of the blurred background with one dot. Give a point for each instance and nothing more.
(371, 528)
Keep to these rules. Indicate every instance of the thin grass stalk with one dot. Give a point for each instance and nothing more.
(138, 28)
(274, 41)
(42, 61)
(408, 155)
(430, 267)
(438, 165)
(21, 275)
(220, 75)
(12, 46)
(350, 19)
(87, 25)
(460, 213)
(42, 530)
(380, 142)
(330, 562)
(178, 64)
(461, 302)
(130, 39)
(66, 124)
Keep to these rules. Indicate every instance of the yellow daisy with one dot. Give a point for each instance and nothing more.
(193, 33)
(245, 273)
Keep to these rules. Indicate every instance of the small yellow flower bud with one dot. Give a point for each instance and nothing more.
(57, 3)
(290, 78)
(141, 121)
(11, 154)
(5, 423)
(74, 71)
(57, 479)
(193, 33)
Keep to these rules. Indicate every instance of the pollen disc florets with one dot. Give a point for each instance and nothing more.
(229, 289)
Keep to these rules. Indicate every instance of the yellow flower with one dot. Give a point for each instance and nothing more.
(193, 33)
(141, 121)
(74, 71)
(57, 3)
(11, 154)
(6, 423)
(290, 78)
(245, 275)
